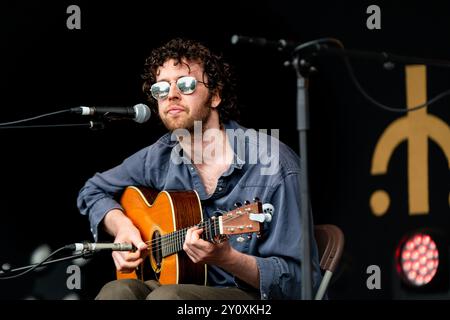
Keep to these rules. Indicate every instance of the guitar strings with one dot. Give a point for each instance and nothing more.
(177, 237)
(172, 242)
(176, 233)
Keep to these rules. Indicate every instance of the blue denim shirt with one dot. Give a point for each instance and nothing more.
(272, 176)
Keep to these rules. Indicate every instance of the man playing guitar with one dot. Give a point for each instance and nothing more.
(222, 163)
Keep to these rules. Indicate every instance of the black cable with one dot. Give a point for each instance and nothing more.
(34, 118)
(90, 125)
(35, 266)
(357, 84)
(317, 43)
(383, 106)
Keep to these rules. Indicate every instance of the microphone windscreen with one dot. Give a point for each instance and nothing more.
(143, 113)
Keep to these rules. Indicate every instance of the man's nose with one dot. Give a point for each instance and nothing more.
(174, 93)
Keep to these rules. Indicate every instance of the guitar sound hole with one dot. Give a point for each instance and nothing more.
(157, 249)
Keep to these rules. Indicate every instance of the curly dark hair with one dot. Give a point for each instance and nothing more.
(219, 74)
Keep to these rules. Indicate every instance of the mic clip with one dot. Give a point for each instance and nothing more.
(96, 125)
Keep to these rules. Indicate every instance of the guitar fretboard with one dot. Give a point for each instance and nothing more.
(173, 242)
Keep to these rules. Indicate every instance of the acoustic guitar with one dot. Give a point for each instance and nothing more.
(163, 219)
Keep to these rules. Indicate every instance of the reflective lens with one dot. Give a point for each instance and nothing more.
(186, 85)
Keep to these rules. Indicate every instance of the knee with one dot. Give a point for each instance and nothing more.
(169, 292)
(123, 289)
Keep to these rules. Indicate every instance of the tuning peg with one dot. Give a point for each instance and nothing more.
(238, 204)
(255, 199)
(246, 202)
(268, 208)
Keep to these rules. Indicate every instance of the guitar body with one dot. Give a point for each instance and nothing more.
(156, 214)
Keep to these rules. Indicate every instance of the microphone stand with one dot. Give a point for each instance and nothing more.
(303, 69)
(94, 125)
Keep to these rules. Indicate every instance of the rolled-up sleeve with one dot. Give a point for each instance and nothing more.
(279, 261)
(98, 195)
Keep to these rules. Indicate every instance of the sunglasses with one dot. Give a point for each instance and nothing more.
(186, 85)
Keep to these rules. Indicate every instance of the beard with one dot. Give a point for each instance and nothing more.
(186, 120)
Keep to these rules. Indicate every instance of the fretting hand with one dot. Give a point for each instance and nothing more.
(201, 251)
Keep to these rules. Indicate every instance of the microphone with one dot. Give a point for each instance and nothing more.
(279, 45)
(87, 246)
(139, 113)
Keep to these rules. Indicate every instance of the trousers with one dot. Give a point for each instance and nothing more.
(133, 289)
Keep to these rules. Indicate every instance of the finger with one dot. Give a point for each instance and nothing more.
(142, 246)
(197, 233)
(137, 241)
(118, 261)
(140, 250)
(130, 256)
(188, 237)
(124, 265)
(197, 240)
(127, 258)
(143, 249)
(133, 265)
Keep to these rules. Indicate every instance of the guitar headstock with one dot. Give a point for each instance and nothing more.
(244, 219)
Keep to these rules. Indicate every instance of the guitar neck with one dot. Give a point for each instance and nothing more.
(173, 242)
(237, 221)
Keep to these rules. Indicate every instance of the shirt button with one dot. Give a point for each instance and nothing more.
(220, 189)
(192, 168)
(264, 296)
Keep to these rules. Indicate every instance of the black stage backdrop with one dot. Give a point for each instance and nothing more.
(47, 67)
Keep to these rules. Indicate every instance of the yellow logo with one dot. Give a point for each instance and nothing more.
(415, 128)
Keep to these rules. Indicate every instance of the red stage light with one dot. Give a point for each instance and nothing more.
(418, 259)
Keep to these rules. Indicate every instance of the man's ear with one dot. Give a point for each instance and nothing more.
(215, 100)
